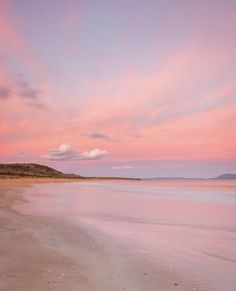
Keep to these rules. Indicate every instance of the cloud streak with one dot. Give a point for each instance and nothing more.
(72, 15)
(26, 91)
(66, 153)
(5, 93)
(100, 135)
(21, 89)
(124, 167)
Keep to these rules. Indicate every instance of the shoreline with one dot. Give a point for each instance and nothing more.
(37, 252)
(65, 179)
(42, 253)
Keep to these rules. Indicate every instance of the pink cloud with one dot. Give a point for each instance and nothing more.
(72, 16)
(182, 109)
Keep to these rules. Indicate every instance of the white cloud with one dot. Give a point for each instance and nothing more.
(125, 167)
(94, 154)
(65, 153)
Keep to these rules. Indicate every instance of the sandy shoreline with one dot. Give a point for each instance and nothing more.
(38, 253)
(42, 254)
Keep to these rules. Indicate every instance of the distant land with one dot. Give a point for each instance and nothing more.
(41, 171)
(37, 170)
(226, 176)
(221, 177)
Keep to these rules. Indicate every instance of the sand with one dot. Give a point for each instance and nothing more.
(31, 251)
(40, 253)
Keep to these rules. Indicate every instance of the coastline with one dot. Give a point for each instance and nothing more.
(41, 253)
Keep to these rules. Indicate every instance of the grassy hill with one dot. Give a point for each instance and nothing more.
(37, 170)
(32, 170)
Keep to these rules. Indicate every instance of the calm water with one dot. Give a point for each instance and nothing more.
(189, 225)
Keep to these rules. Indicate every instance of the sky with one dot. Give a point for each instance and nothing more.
(135, 88)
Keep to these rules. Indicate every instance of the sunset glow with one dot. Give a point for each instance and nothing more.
(119, 88)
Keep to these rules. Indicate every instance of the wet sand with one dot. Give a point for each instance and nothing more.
(48, 253)
(29, 260)
(40, 254)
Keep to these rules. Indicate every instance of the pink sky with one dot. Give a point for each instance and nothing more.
(133, 88)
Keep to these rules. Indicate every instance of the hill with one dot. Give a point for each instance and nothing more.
(32, 170)
(37, 170)
(226, 177)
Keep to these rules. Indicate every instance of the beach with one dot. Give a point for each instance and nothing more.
(116, 235)
(34, 252)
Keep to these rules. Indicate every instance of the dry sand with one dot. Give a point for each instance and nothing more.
(39, 254)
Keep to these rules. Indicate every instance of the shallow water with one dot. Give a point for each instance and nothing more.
(188, 225)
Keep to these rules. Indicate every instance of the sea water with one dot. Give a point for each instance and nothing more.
(189, 224)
